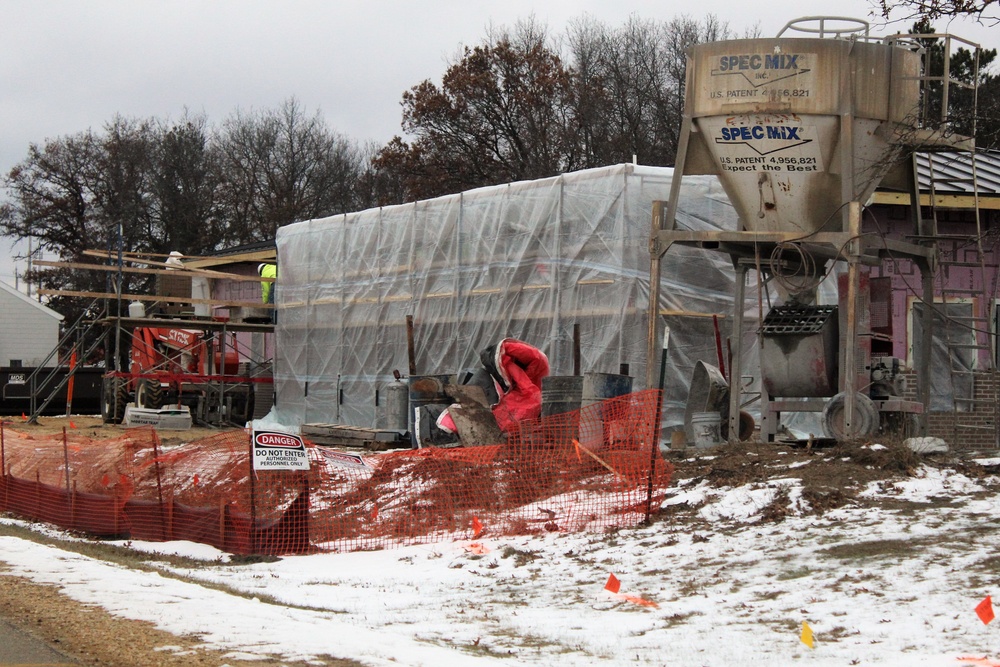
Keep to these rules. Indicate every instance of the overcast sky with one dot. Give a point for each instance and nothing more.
(68, 66)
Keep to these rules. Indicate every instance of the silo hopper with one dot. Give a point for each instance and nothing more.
(800, 131)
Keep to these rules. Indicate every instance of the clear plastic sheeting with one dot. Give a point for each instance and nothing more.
(527, 260)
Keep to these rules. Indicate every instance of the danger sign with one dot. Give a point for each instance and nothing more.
(344, 460)
(273, 450)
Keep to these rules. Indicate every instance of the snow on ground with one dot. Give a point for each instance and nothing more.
(888, 587)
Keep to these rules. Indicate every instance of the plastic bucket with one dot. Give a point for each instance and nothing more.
(706, 427)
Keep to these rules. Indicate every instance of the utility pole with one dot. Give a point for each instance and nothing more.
(27, 282)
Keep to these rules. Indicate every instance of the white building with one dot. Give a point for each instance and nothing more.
(28, 330)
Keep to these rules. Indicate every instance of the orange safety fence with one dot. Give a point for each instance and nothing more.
(591, 469)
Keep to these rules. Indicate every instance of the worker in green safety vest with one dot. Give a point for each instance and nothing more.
(267, 287)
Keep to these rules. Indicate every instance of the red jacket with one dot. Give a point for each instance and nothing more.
(522, 367)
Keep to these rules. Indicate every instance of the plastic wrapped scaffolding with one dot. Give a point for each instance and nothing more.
(527, 260)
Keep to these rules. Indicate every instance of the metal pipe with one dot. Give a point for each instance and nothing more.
(848, 380)
(926, 341)
(654, 446)
(653, 309)
(576, 348)
(411, 353)
(736, 366)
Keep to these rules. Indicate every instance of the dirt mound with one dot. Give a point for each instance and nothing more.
(827, 477)
(92, 426)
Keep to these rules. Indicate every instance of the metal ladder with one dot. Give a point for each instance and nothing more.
(78, 331)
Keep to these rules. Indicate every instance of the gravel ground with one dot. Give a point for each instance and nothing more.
(93, 637)
(93, 427)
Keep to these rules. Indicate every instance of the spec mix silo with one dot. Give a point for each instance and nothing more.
(799, 131)
(797, 127)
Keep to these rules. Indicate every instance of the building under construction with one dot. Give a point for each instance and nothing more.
(775, 230)
(826, 246)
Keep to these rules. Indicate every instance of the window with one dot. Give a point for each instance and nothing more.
(952, 357)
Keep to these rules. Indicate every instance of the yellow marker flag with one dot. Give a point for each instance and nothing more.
(807, 635)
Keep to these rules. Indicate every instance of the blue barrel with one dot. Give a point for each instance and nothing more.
(561, 393)
(565, 393)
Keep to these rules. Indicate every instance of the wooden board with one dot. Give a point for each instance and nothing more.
(164, 265)
(155, 297)
(169, 270)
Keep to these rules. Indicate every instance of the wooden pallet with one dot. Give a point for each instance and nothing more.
(342, 435)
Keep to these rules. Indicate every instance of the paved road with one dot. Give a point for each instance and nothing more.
(19, 648)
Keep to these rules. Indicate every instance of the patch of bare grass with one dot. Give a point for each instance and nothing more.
(874, 550)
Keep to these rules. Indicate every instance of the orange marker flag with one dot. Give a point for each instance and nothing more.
(641, 601)
(477, 548)
(807, 635)
(985, 610)
(977, 660)
(477, 527)
(613, 584)
(72, 425)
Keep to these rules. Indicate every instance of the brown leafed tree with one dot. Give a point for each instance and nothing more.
(500, 114)
(512, 108)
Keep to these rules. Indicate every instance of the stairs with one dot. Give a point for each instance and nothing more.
(42, 382)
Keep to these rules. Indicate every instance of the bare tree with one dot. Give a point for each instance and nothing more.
(628, 85)
(141, 185)
(184, 187)
(280, 166)
(124, 171)
(585, 42)
(53, 195)
(983, 11)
